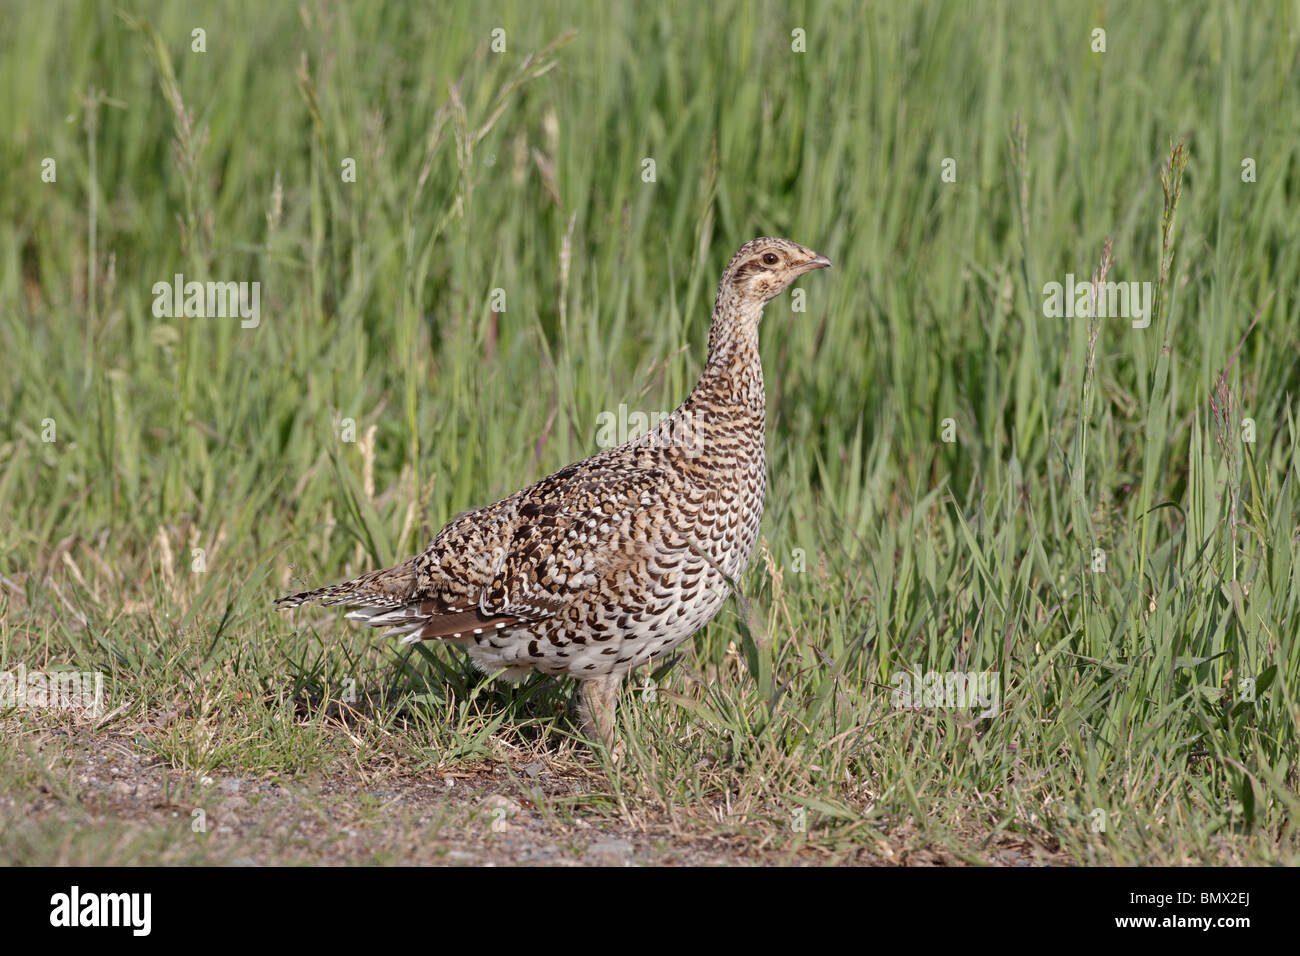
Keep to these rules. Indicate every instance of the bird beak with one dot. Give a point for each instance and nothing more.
(816, 262)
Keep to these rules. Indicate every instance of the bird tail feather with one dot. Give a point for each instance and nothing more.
(376, 589)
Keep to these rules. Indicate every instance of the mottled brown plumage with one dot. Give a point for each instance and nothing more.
(615, 560)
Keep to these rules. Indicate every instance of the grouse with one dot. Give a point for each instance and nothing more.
(613, 561)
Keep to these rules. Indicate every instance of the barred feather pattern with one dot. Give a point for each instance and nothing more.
(612, 561)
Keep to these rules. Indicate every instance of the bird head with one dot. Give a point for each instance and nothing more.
(762, 268)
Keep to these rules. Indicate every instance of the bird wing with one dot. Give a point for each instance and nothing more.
(574, 528)
(523, 559)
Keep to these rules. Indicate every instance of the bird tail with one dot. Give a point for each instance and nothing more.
(384, 599)
(334, 594)
(385, 588)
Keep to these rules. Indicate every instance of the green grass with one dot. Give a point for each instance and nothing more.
(886, 548)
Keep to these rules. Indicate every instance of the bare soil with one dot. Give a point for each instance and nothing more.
(534, 813)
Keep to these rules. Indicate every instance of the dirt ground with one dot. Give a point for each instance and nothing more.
(111, 804)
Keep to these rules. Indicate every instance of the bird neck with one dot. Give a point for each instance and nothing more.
(734, 371)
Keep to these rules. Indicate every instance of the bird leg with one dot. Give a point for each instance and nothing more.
(599, 698)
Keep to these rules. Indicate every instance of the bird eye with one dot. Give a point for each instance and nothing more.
(770, 259)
